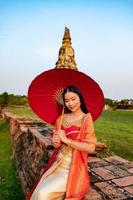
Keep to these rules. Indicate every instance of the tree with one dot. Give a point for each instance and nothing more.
(11, 99)
(4, 98)
(108, 101)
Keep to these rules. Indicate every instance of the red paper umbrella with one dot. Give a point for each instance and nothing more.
(45, 90)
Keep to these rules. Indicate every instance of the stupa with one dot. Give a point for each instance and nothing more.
(66, 57)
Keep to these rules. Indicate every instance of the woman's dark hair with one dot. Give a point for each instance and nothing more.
(72, 88)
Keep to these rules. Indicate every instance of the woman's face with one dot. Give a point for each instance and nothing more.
(72, 101)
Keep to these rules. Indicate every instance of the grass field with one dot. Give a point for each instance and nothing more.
(115, 128)
(22, 111)
(10, 188)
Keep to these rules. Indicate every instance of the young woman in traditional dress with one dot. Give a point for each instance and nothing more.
(66, 175)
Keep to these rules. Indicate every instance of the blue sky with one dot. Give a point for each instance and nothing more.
(102, 36)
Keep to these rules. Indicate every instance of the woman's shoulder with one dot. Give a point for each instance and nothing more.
(87, 117)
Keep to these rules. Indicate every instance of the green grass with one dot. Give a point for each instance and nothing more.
(10, 187)
(115, 128)
(23, 111)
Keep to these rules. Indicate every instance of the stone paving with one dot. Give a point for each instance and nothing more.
(111, 178)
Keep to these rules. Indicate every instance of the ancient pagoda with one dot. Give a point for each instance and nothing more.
(66, 57)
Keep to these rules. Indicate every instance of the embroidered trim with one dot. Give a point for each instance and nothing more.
(76, 131)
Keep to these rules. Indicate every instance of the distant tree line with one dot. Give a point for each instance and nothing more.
(122, 104)
(11, 99)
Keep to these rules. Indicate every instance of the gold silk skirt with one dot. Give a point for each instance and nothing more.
(52, 185)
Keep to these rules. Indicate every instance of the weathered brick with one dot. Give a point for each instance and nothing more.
(104, 173)
(110, 191)
(94, 178)
(117, 171)
(128, 165)
(130, 170)
(125, 181)
(101, 163)
(129, 189)
(116, 160)
(93, 159)
(93, 195)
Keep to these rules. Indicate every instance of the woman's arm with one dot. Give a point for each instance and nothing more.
(56, 141)
(81, 146)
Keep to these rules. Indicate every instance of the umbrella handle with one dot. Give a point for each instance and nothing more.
(62, 114)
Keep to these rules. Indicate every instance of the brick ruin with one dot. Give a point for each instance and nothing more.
(111, 177)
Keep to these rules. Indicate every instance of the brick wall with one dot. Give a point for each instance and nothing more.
(30, 148)
(111, 177)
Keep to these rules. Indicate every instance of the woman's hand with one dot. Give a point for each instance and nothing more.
(56, 140)
(62, 136)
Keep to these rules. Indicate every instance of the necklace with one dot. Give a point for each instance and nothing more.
(67, 123)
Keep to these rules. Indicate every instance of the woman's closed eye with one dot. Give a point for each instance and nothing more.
(73, 99)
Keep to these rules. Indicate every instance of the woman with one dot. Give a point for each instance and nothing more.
(66, 175)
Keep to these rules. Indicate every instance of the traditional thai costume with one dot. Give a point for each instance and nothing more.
(66, 175)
